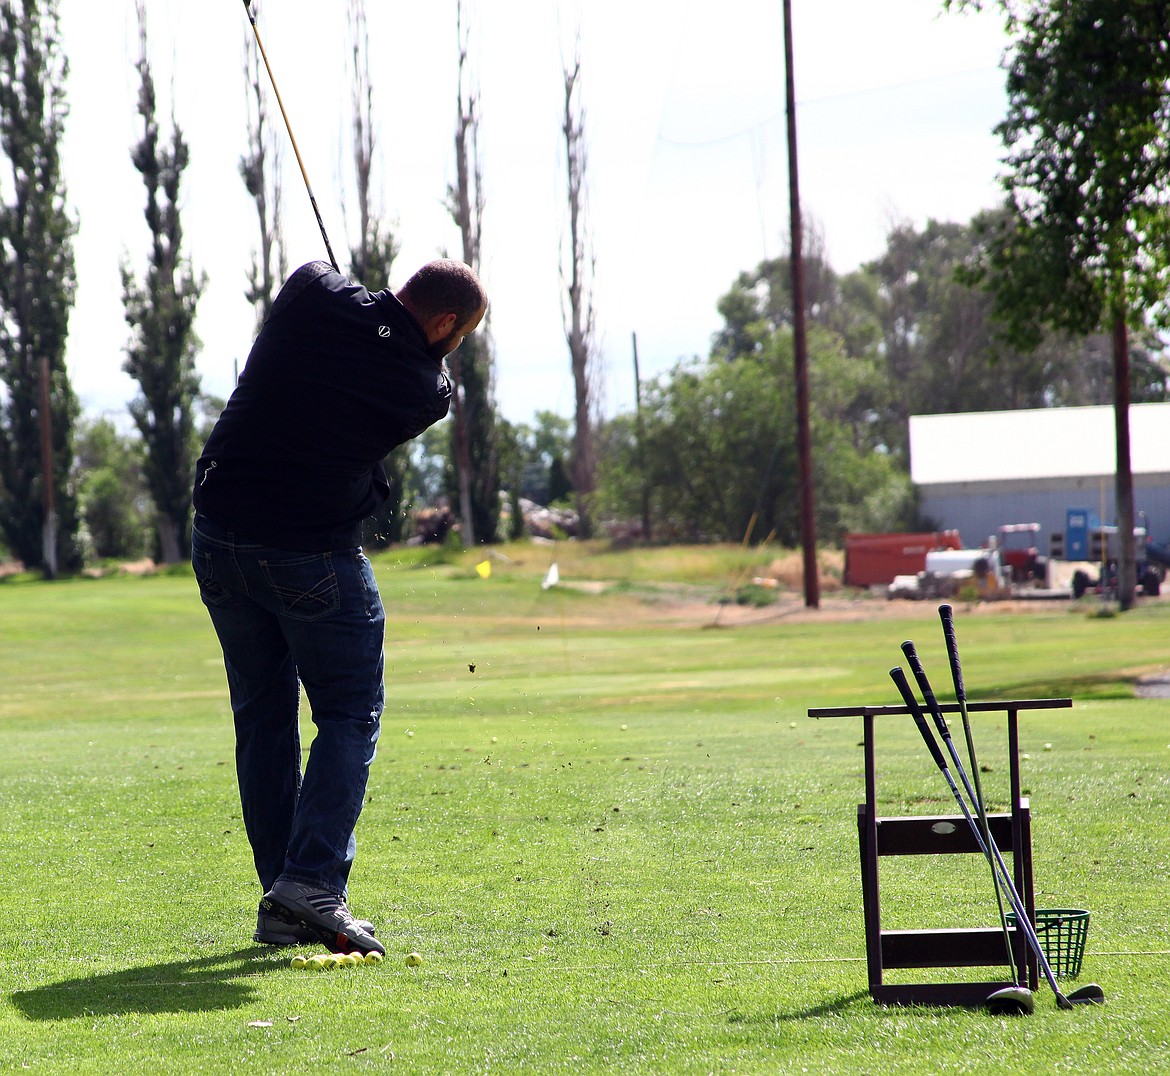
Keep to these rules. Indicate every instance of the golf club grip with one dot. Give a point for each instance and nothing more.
(947, 616)
(928, 695)
(903, 686)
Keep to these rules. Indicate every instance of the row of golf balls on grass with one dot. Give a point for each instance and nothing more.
(328, 961)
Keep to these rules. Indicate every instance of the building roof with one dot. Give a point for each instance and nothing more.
(1053, 442)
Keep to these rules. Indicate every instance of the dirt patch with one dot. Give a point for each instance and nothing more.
(1156, 686)
(788, 570)
(842, 606)
(838, 608)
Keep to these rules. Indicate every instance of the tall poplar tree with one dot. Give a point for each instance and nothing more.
(371, 259)
(161, 315)
(474, 447)
(38, 511)
(578, 313)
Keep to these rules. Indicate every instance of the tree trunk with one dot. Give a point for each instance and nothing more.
(473, 435)
(170, 549)
(462, 456)
(579, 323)
(1126, 575)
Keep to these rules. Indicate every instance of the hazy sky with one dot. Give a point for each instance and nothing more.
(687, 167)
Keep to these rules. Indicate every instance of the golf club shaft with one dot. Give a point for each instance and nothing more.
(291, 136)
(989, 848)
(946, 615)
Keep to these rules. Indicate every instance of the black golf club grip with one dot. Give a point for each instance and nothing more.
(903, 686)
(947, 615)
(919, 672)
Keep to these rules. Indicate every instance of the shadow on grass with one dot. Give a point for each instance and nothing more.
(1102, 685)
(825, 1008)
(213, 982)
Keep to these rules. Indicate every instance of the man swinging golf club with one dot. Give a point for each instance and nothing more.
(337, 377)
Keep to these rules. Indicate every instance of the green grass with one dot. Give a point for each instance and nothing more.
(620, 844)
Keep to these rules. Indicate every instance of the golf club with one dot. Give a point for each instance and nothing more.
(291, 137)
(946, 614)
(1013, 1000)
(1089, 994)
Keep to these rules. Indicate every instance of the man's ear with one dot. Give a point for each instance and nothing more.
(438, 327)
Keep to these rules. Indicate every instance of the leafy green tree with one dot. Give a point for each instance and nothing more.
(544, 448)
(427, 474)
(1085, 245)
(37, 285)
(511, 476)
(161, 316)
(760, 302)
(115, 502)
(939, 343)
(718, 448)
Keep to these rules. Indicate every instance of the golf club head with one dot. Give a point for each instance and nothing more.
(1089, 994)
(1011, 1001)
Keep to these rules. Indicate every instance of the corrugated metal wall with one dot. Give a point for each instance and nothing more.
(977, 509)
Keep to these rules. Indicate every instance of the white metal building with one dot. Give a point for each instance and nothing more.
(978, 471)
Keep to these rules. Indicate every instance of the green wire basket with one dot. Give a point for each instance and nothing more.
(1062, 934)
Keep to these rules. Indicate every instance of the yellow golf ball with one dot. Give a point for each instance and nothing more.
(413, 960)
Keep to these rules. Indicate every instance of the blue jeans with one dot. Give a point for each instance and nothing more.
(285, 619)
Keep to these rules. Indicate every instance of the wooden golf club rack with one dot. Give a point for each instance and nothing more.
(942, 835)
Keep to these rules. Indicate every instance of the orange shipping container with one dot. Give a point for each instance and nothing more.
(877, 558)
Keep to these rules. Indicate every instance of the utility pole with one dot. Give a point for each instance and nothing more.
(808, 529)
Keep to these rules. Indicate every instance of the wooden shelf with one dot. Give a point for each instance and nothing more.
(950, 834)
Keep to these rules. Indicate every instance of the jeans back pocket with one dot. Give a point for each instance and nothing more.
(211, 591)
(304, 588)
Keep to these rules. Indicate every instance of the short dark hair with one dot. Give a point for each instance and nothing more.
(444, 286)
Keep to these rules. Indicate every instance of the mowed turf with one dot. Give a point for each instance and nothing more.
(606, 823)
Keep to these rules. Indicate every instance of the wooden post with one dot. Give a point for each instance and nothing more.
(808, 527)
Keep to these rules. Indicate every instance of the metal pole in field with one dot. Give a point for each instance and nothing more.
(808, 527)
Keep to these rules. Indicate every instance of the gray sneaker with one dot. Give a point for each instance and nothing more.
(322, 915)
(273, 931)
